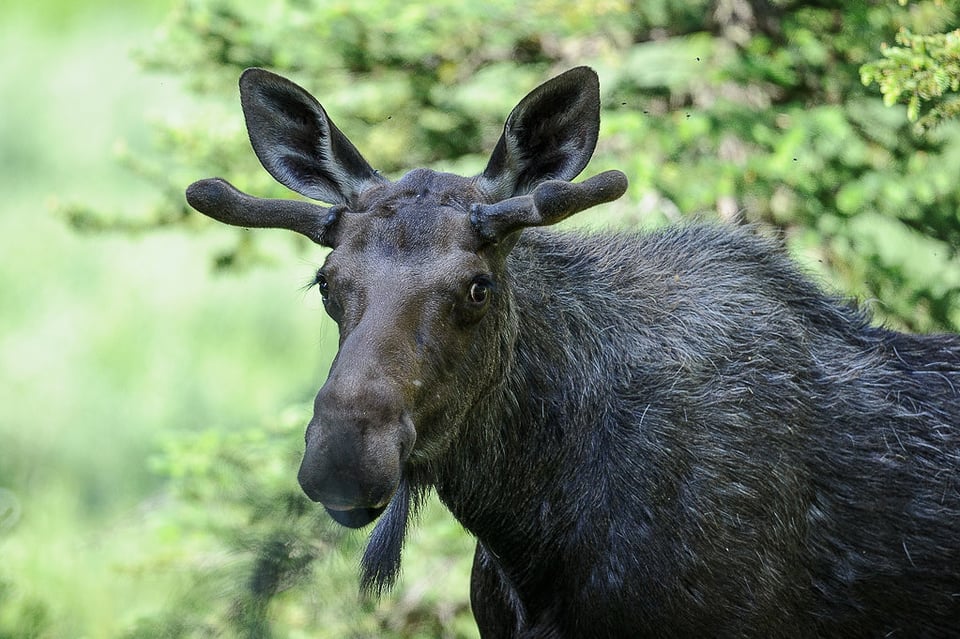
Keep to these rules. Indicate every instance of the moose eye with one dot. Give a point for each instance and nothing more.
(323, 286)
(479, 291)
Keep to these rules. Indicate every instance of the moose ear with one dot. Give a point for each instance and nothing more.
(298, 144)
(550, 135)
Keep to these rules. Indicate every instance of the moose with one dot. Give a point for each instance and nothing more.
(667, 433)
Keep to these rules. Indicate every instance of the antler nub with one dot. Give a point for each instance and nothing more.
(549, 203)
(217, 198)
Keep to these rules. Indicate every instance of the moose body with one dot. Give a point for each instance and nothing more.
(706, 445)
(672, 433)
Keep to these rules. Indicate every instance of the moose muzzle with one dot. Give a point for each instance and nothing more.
(356, 447)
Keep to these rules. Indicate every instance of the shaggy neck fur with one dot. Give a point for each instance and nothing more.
(670, 404)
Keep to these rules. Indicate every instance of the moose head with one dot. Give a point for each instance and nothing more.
(417, 278)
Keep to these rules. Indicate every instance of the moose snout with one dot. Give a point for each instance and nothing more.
(354, 456)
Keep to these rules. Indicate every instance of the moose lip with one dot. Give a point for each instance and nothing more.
(354, 517)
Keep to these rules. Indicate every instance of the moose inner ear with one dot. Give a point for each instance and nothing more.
(550, 135)
(298, 144)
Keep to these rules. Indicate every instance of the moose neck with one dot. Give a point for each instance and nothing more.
(519, 446)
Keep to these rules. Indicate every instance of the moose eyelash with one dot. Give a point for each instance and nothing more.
(313, 281)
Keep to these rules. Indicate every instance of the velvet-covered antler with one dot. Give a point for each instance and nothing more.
(548, 203)
(222, 201)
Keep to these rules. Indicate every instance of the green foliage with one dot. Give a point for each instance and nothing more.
(924, 71)
(748, 112)
(242, 530)
(21, 616)
(262, 560)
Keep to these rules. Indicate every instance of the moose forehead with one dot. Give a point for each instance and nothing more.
(422, 216)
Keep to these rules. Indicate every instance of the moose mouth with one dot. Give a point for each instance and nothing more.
(354, 479)
(354, 517)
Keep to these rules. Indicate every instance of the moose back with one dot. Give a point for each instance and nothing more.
(672, 433)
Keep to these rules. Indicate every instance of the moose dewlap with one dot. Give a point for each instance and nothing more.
(664, 434)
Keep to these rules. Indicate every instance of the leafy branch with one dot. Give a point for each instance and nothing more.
(924, 71)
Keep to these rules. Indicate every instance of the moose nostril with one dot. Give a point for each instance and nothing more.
(307, 480)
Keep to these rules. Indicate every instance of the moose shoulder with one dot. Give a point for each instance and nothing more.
(664, 434)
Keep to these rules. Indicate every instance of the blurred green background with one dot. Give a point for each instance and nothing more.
(156, 370)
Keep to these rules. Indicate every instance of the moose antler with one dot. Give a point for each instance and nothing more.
(549, 203)
(222, 201)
